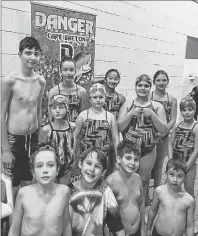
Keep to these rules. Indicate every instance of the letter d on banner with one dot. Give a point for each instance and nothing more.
(40, 19)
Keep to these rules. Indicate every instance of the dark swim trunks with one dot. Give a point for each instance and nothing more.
(155, 233)
(137, 233)
(22, 146)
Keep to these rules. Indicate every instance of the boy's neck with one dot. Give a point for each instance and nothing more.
(173, 190)
(46, 189)
(27, 72)
(68, 83)
(124, 174)
(109, 91)
(84, 185)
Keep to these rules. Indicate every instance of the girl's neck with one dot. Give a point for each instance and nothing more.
(97, 110)
(58, 124)
(160, 92)
(142, 100)
(109, 91)
(189, 122)
(68, 83)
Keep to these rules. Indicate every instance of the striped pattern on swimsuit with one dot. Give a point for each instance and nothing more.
(113, 104)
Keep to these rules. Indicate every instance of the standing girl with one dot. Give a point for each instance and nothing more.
(96, 126)
(161, 80)
(60, 133)
(75, 94)
(184, 141)
(139, 123)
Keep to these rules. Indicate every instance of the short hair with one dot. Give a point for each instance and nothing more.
(112, 70)
(160, 72)
(29, 42)
(44, 147)
(187, 102)
(128, 147)
(66, 58)
(176, 164)
(101, 156)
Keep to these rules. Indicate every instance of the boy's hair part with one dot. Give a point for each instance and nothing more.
(101, 156)
(177, 165)
(66, 58)
(29, 42)
(127, 147)
(44, 147)
(187, 102)
(160, 72)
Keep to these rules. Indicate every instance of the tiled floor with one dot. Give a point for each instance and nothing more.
(196, 194)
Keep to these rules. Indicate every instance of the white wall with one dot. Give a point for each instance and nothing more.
(135, 37)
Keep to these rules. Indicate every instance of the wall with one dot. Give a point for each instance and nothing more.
(135, 36)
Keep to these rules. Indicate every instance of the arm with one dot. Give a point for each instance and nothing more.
(153, 211)
(15, 229)
(79, 123)
(67, 231)
(122, 98)
(114, 133)
(171, 142)
(120, 233)
(173, 114)
(44, 134)
(159, 119)
(83, 99)
(142, 211)
(190, 219)
(194, 155)
(39, 113)
(7, 85)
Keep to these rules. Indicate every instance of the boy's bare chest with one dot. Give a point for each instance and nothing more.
(175, 204)
(128, 194)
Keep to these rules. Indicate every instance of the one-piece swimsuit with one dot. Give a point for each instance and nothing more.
(113, 104)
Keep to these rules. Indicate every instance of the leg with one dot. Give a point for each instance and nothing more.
(161, 153)
(190, 180)
(146, 165)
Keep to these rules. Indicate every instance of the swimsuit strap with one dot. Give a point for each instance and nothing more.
(77, 90)
(87, 113)
(167, 97)
(58, 88)
(106, 115)
(52, 129)
(152, 106)
(131, 105)
(179, 124)
(152, 95)
(194, 125)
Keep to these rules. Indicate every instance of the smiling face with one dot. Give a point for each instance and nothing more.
(129, 163)
(30, 57)
(68, 70)
(188, 113)
(45, 167)
(175, 179)
(161, 82)
(91, 169)
(112, 79)
(143, 89)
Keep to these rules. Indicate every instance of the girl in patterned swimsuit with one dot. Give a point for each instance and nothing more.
(184, 141)
(96, 127)
(75, 94)
(60, 133)
(139, 121)
(161, 80)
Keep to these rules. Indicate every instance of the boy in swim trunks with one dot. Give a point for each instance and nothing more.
(127, 188)
(42, 209)
(22, 93)
(173, 206)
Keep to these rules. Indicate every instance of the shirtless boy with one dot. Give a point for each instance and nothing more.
(22, 92)
(42, 209)
(173, 206)
(127, 187)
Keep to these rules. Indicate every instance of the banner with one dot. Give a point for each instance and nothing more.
(63, 32)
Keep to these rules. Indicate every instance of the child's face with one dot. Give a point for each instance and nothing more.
(188, 113)
(97, 100)
(91, 169)
(68, 70)
(30, 57)
(129, 162)
(112, 79)
(161, 82)
(142, 89)
(175, 178)
(58, 111)
(45, 168)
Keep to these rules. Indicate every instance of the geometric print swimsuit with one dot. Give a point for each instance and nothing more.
(184, 143)
(113, 104)
(141, 131)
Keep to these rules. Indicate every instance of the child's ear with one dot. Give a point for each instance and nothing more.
(80, 164)
(118, 159)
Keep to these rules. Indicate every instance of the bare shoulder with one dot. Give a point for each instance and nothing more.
(110, 116)
(196, 127)
(157, 105)
(26, 191)
(81, 90)
(83, 114)
(122, 97)
(41, 79)
(53, 91)
(189, 199)
(172, 98)
(46, 128)
(160, 190)
(10, 79)
(62, 189)
(137, 178)
(111, 179)
(72, 125)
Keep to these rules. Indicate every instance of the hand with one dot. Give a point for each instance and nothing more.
(8, 163)
(136, 112)
(148, 112)
(148, 232)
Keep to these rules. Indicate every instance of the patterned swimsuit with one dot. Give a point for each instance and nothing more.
(184, 143)
(113, 104)
(63, 141)
(74, 105)
(141, 131)
(167, 107)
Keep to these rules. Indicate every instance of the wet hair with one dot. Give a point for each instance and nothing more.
(112, 70)
(127, 147)
(44, 147)
(176, 164)
(143, 77)
(101, 156)
(30, 43)
(66, 58)
(187, 102)
(160, 72)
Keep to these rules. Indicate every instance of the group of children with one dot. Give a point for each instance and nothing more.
(85, 181)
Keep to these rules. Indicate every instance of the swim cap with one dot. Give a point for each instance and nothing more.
(145, 78)
(187, 102)
(57, 100)
(97, 87)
